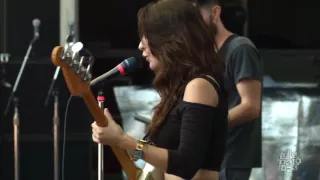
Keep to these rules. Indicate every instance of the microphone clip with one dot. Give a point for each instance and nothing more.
(4, 59)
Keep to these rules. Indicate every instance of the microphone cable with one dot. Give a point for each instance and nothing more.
(64, 138)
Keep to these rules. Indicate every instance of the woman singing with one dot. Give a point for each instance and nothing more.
(189, 126)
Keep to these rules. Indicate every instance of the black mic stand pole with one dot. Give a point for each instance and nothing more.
(26, 57)
(16, 134)
(56, 121)
(100, 146)
(16, 121)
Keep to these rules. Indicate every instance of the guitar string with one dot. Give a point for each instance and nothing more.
(64, 138)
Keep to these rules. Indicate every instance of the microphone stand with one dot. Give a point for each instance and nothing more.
(56, 121)
(16, 124)
(26, 57)
(100, 146)
(49, 94)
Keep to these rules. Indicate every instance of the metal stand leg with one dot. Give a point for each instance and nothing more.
(56, 135)
(100, 146)
(100, 162)
(16, 125)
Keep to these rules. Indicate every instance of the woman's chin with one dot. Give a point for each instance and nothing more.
(152, 67)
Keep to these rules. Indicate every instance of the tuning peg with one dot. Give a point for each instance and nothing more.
(76, 47)
(85, 52)
(88, 75)
(67, 53)
(81, 68)
(91, 60)
(66, 56)
(81, 62)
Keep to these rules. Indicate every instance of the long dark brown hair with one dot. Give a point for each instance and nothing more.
(184, 47)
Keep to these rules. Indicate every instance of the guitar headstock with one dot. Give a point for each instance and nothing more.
(76, 64)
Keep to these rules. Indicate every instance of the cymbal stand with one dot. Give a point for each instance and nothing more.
(56, 121)
(16, 134)
(100, 99)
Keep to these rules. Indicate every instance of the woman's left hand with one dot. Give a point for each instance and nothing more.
(111, 135)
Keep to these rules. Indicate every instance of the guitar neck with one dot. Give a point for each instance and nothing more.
(94, 109)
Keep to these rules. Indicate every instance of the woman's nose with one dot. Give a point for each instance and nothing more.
(140, 47)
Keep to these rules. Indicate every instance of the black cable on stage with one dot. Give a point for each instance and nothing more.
(64, 138)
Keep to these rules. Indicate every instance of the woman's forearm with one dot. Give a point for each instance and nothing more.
(128, 143)
(158, 157)
(155, 156)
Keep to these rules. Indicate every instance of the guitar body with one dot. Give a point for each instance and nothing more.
(76, 64)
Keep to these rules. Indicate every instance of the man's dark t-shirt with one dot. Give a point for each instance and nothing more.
(243, 149)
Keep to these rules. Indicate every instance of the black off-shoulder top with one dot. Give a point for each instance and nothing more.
(195, 135)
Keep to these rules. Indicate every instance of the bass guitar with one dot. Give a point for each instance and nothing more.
(76, 63)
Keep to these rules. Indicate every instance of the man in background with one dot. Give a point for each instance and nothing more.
(243, 81)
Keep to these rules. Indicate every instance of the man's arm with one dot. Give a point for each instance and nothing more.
(250, 106)
(247, 74)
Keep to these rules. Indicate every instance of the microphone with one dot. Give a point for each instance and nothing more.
(36, 23)
(122, 69)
